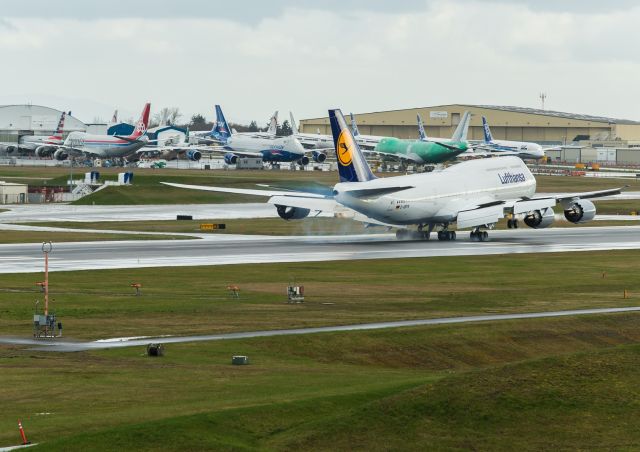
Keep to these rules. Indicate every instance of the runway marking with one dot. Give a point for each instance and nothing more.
(104, 344)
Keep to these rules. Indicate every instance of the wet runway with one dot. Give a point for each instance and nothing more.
(58, 345)
(234, 249)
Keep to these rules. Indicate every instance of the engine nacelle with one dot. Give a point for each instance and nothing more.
(194, 156)
(319, 157)
(61, 154)
(230, 159)
(292, 213)
(539, 219)
(11, 149)
(580, 211)
(304, 161)
(44, 151)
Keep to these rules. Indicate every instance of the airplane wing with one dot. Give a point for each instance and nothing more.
(250, 191)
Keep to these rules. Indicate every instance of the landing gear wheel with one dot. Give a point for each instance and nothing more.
(510, 223)
(484, 236)
(515, 224)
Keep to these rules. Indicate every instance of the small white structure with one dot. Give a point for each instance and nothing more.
(12, 193)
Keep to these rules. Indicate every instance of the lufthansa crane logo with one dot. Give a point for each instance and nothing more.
(345, 148)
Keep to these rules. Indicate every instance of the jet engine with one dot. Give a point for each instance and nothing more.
(194, 156)
(44, 151)
(580, 211)
(60, 154)
(291, 213)
(230, 159)
(304, 161)
(539, 219)
(319, 157)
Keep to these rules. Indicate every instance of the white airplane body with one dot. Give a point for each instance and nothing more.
(475, 194)
(40, 145)
(523, 149)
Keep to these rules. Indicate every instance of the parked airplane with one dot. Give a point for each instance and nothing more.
(105, 146)
(311, 140)
(209, 135)
(473, 194)
(40, 145)
(271, 149)
(425, 150)
(524, 149)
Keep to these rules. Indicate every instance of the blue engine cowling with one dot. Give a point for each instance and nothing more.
(230, 159)
(60, 154)
(319, 157)
(194, 156)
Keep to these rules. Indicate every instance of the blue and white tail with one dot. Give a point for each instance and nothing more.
(220, 130)
(273, 124)
(354, 126)
(352, 166)
(421, 132)
(488, 138)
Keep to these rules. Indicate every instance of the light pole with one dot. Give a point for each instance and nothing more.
(46, 249)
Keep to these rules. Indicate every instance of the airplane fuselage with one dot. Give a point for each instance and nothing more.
(419, 151)
(437, 197)
(104, 146)
(274, 149)
(522, 148)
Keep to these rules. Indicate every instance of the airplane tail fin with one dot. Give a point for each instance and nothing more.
(220, 129)
(487, 131)
(114, 119)
(352, 166)
(294, 126)
(58, 132)
(462, 130)
(273, 124)
(421, 132)
(143, 122)
(354, 125)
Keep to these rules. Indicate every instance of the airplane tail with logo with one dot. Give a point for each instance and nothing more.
(294, 126)
(462, 130)
(58, 133)
(221, 129)
(143, 122)
(273, 124)
(352, 166)
(421, 132)
(354, 126)
(488, 138)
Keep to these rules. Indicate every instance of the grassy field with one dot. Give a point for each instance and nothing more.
(44, 236)
(530, 384)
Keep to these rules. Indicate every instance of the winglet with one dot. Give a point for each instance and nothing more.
(352, 166)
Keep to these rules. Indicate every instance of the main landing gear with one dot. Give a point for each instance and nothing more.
(479, 236)
(446, 235)
(405, 234)
(512, 223)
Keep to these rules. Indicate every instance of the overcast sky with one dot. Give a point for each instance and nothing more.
(360, 55)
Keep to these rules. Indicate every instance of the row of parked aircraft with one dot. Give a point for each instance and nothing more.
(299, 147)
(474, 194)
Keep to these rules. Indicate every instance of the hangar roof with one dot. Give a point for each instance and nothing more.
(557, 114)
(37, 118)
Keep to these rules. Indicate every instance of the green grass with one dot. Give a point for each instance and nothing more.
(622, 207)
(526, 385)
(46, 236)
(192, 300)
(529, 384)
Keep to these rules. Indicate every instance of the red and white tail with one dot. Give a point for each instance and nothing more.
(58, 132)
(143, 122)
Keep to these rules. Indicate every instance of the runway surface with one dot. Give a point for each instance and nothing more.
(56, 345)
(234, 249)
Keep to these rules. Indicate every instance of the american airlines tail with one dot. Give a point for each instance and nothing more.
(220, 129)
(462, 130)
(421, 132)
(488, 138)
(58, 132)
(273, 124)
(294, 126)
(354, 126)
(143, 122)
(352, 166)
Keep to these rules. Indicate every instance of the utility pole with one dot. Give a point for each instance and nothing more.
(46, 249)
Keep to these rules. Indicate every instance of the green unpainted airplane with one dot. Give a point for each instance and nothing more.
(426, 150)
